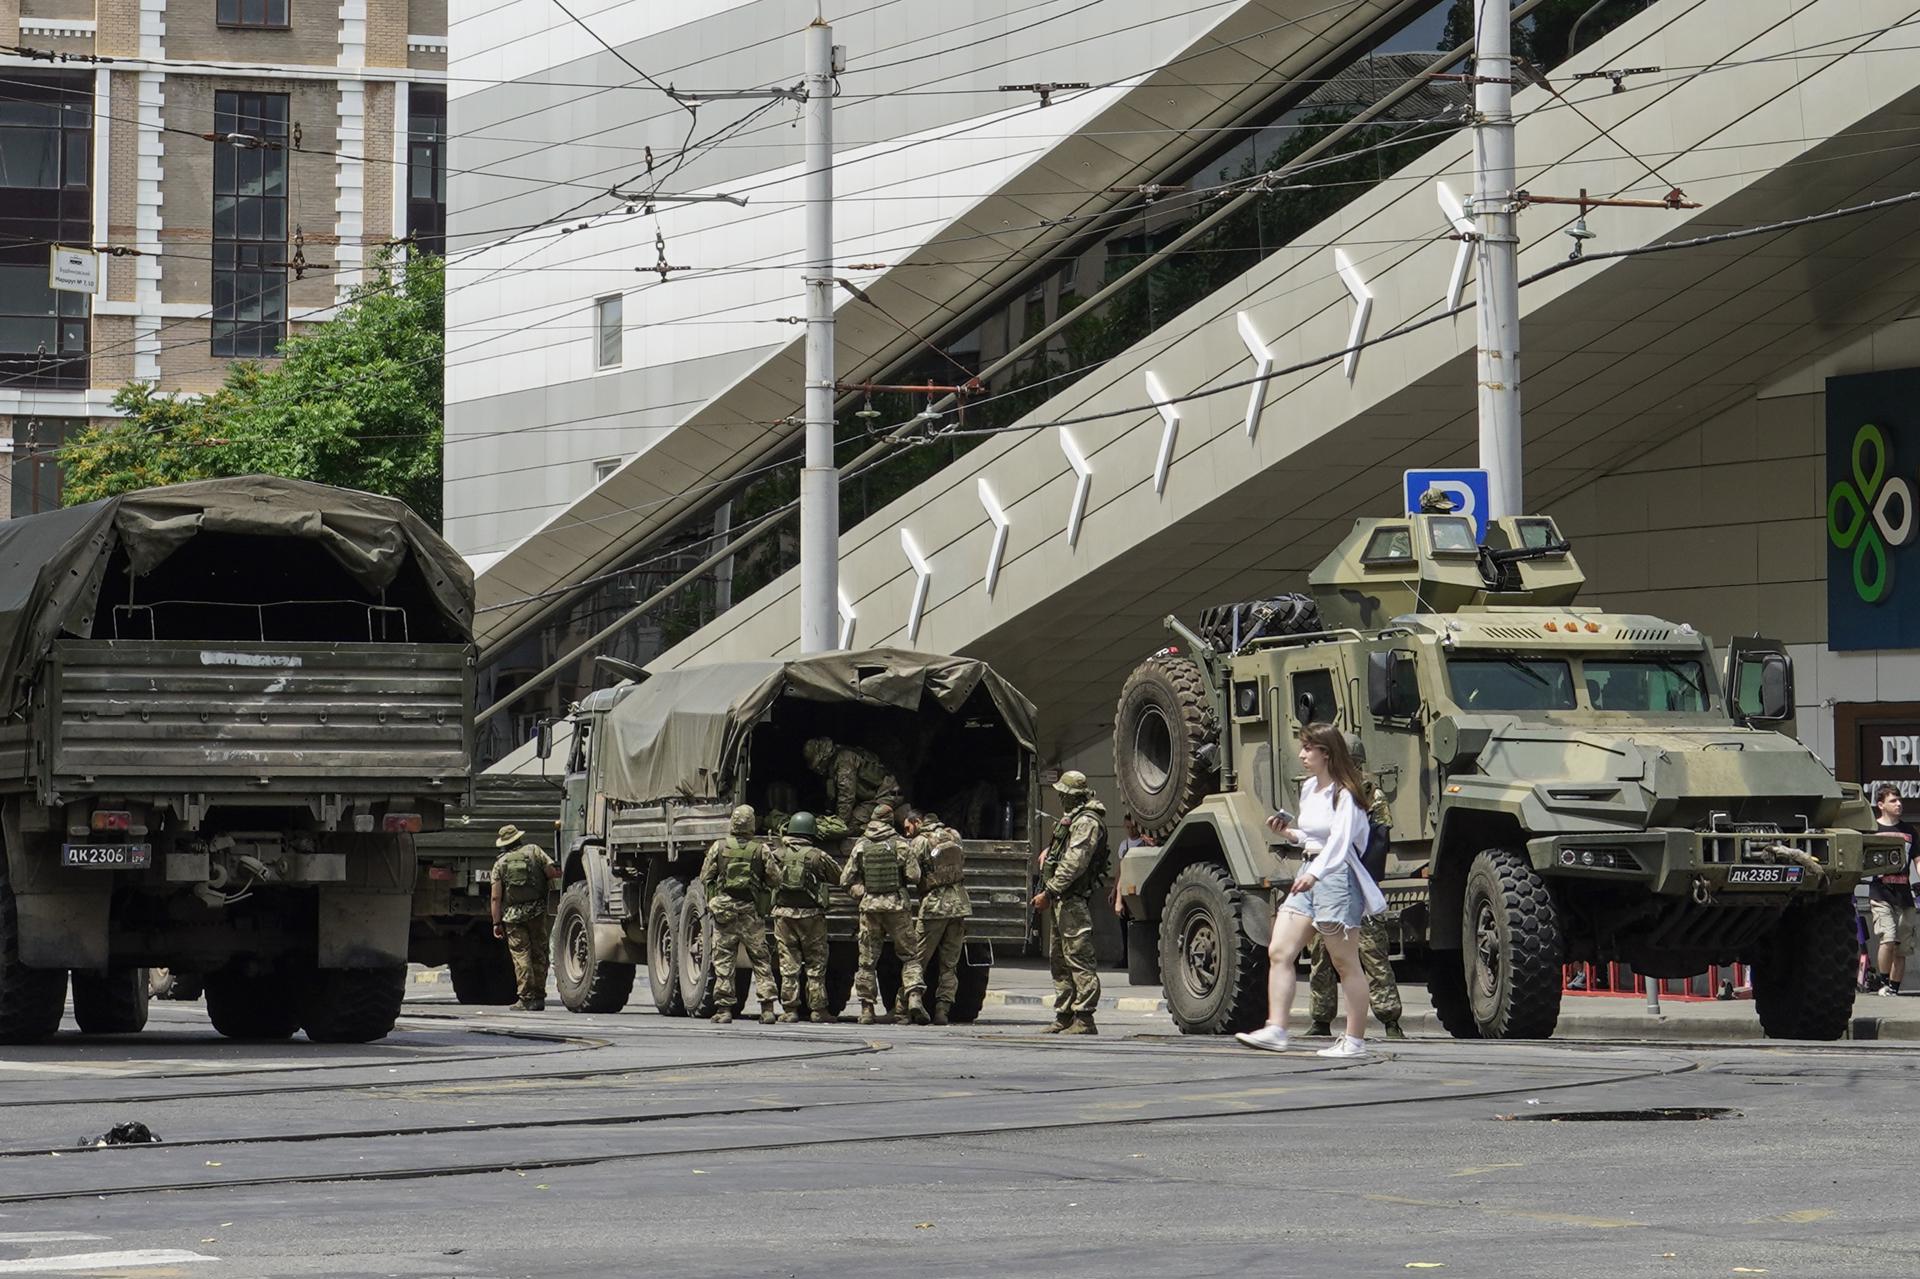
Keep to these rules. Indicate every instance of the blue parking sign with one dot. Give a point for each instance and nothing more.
(1467, 488)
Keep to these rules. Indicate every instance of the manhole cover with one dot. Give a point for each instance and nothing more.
(1654, 1114)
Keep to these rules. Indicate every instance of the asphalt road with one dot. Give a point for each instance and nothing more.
(482, 1143)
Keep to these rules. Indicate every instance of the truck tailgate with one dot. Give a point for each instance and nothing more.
(257, 718)
(498, 799)
(998, 884)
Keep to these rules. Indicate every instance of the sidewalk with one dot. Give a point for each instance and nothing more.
(1027, 983)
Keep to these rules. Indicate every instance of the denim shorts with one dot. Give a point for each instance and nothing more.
(1334, 904)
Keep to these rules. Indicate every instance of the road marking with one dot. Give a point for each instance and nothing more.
(1798, 1217)
(1485, 1168)
(49, 1236)
(1525, 1214)
(103, 1261)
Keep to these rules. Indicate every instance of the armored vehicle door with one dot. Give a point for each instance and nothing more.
(573, 810)
(1394, 731)
(1312, 687)
(1759, 684)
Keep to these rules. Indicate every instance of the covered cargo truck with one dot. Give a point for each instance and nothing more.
(226, 708)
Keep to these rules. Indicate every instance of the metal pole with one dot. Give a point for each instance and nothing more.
(1499, 255)
(819, 481)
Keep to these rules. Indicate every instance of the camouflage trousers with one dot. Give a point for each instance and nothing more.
(1076, 973)
(941, 941)
(528, 941)
(877, 928)
(1383, 993)
(746, 929)
(802, 943)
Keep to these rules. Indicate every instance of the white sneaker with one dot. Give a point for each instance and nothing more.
(1345, 1046)
(1271, 1038)
(1888, 990)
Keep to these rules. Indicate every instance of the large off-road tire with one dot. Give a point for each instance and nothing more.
(843, 960)
(1514, 950)
(352, 1005)
(1447, 988)
(587, 983)
(1213, 974)
(663, 918)
(1803, 972)
(483, 975)
(1165, 741)
(693, 946)
(111, 1003)
(251, 1008)
(31, 999)
(974, 973)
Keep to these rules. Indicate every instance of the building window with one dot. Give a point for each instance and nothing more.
(250, 225)
(46, 179)
(607, 311)
(251, 13)
(36, 462)
(605, 467)
(427, 168)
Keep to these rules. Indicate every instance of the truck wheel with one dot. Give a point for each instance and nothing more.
(111, 1003)
(1447, 988)
(663, 974)
(31, 999)
(483, 975)
(973, 975)
(1513, 948)
(1143, 954)
(240, 1008)
(1803, 973)
(693, 946)
(1213, 974)
(352, 1005)
(1164, 739)
(588, 984)
(842, 961)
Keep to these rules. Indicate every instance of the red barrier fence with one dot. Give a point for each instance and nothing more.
(1619, 980)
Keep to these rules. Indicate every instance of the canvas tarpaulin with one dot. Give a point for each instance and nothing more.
(52, 565)
(681, 732)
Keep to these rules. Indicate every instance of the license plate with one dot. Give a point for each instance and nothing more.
(484, 875)
(107, 856)
(1765, 874)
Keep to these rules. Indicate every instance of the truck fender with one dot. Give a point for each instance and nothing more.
(1468, 825)
(1227, 830)
(587, 860)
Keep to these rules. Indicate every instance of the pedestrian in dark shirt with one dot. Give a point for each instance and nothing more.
(1890, 897)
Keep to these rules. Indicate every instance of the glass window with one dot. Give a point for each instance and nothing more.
(605, 467)
(1452, 535)
(46, 178)
(1511, 683)
(1391, 544)
(251, 13)
(250, 225)
(1535, 534)
(1641, 684)
(608, 324)
(427, 168)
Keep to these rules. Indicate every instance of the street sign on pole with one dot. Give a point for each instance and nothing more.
(1469, 489)
(74, 270)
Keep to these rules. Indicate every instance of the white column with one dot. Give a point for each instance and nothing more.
(1499, 252)
(819, 480)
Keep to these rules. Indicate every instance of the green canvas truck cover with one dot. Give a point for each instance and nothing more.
(681, 732)
(52, 565)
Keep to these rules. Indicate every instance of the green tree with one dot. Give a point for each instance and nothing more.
(1543, 36)
(355, 401)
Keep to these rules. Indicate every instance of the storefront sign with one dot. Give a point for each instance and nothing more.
(1878, 743)
(1873, 475)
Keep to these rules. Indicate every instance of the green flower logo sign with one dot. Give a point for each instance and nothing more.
(1871, 513)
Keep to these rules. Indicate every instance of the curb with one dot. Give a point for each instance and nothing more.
(1122, 1004)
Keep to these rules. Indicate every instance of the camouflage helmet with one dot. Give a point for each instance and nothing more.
(1072, 782)
(803, 825)
(883, 813)
(741, 823)
(817, 752)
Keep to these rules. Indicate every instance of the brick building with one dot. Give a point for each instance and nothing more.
(333, 124)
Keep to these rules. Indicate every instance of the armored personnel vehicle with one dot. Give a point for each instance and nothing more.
(656, 765)
(1565, 784)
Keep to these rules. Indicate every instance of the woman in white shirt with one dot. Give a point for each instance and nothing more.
(1331, 894)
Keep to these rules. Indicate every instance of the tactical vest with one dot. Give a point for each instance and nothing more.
(946, 861)
(1089, 880)
(737, 877)
(799, 885)
(879, 866)
(522, 881)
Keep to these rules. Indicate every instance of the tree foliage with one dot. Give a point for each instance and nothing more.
(355, 401)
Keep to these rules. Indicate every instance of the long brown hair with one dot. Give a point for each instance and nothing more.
(1340, 765)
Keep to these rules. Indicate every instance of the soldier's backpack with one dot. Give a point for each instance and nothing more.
(521, 880)
(879, 866)
(946, 859)
(737, 877)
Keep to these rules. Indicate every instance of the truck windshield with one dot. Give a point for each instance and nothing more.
(1511, 683)
(1645, 684)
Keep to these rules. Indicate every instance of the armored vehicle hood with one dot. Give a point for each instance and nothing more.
(52, 566)
(682, 731)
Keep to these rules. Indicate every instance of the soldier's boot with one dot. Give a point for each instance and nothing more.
(520, 1006)
(940, 1017)
(539, 1006)
(866, 1017)
(916, 1010)
(1393, 1029)
(787, 1016)
(767, 1015)
(1060, 1023)
(1320, 1028)
(1081, 1025)
(819, 1014)
(722, 1016)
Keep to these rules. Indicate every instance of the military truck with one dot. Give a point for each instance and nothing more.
(656, 766)
(453, 886)
(1565, 784)
(229, 706)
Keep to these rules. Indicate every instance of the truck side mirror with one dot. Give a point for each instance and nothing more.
(543, 738)
(1776, 687)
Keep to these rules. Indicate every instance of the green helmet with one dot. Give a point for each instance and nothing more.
(803, 825)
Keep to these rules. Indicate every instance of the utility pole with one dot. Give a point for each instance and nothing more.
(1495, 213)
(819, 479)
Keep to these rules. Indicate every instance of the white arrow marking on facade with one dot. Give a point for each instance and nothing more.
(1457, 215)
(1363, 307)
(847, 619)
(923, 573)
(1169, 434)
(1000, 526)
(1263, 365)
(1078, 461)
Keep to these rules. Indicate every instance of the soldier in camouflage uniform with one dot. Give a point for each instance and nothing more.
(520, 878)
(739, 878)
(802, 873)
(856, 780)
(1383, 993)
(944, 906)
(878, 872)
(1071, 872)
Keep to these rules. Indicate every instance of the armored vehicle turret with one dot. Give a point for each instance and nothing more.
(1565, 784)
